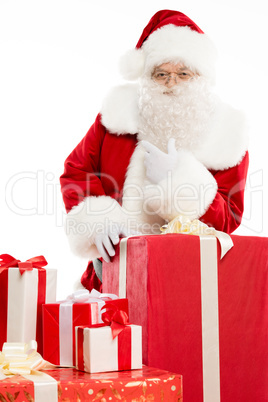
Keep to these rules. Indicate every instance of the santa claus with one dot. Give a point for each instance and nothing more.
(162, 147)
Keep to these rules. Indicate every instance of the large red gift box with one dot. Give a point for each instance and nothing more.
(202, 317)
(59, 322)
(67, 384)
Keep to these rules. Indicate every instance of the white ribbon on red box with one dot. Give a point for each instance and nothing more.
(45, 386)
(209, 306)
(97, 300)
(210, 319)
(21, 358)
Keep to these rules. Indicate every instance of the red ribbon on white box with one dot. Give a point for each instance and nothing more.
(209, 306)
(66, 318)
(22, 297)
(97, 351)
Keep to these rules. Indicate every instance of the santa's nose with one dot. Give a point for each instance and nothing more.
(171, 81)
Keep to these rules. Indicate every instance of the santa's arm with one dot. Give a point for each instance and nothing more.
(80, 177)
(88, 207)
(190, 189)
(226, 210)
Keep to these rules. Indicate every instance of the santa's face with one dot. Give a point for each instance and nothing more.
(174, 102)
(169, 75)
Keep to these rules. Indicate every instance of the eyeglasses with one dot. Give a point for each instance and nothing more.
(163, 77)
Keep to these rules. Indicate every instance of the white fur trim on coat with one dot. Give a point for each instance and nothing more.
(188, 190)
(227, 139)
(224, 146)
(120, 110)
(87, 219)
(139, 218)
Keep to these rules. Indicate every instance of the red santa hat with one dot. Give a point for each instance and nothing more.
(170, 36)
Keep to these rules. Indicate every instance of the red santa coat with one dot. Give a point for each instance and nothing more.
(104, 162)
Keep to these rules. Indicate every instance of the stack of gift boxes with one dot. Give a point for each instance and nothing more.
(89, 332)
(198, 303)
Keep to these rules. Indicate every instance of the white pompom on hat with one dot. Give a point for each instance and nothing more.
(170, 36)
(132, 64)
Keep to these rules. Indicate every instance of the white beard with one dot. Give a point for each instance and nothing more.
(184, 114)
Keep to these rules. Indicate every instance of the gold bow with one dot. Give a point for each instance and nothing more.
(20, 358)
(182, 224)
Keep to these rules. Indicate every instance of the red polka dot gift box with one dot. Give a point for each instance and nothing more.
(71, 385)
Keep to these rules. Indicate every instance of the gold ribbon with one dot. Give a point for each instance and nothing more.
(20, 358)
(182, 224)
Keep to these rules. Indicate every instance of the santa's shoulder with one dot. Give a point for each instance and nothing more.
(227, 139)
(119, 111)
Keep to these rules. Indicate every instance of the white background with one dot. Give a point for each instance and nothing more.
(57, 60)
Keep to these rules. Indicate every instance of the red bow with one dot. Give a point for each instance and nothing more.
(7, 261)
(117, 319)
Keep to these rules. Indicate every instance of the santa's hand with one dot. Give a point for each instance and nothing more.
(109, 237)
(158, 163)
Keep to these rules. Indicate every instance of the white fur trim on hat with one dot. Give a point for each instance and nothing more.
(172, 44)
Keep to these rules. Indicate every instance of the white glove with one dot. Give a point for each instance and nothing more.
(106, 240)
(158, 163)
